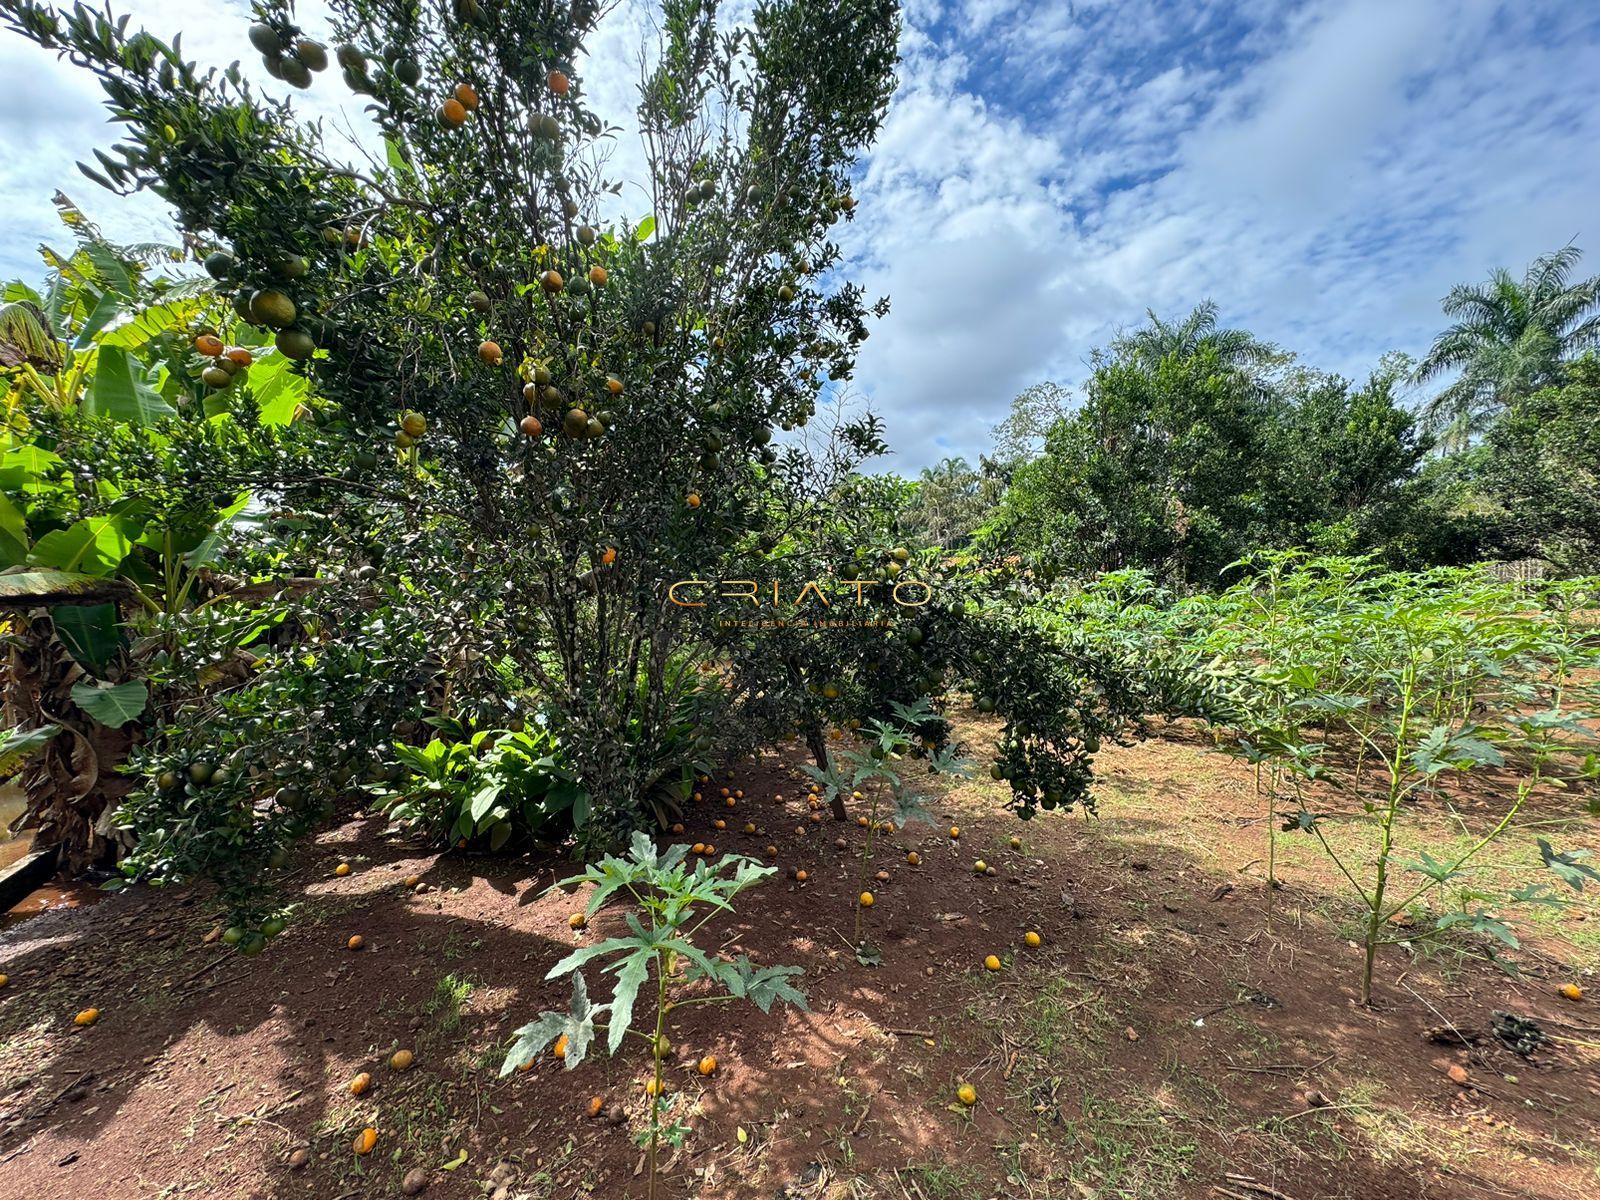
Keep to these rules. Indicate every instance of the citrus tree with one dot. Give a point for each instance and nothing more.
(578, 402)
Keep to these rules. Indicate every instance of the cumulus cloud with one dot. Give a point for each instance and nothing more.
(1324, 169)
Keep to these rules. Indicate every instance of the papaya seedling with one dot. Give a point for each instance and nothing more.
(673, 902)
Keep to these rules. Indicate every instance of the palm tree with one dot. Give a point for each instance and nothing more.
(1510, 338)
(1236, 348)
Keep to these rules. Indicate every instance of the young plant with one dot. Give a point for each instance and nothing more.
(674, 901)
(873, 767)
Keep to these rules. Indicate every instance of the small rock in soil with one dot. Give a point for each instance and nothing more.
(299, 1158)
(415, 1182)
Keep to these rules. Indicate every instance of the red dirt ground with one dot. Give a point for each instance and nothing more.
(1162, 1042)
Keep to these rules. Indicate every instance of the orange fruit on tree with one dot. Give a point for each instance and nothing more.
(490, 353)
(577, 920)
(360, 1083)
(365, 1141)
(609, 557)
(531, 425)
(86, 1018)
(706, 1065)
(401, 1060)
(598, 276)
(559, 83)
(208, 344)
(239, 356)
(992, 962)
(613, 385)
(467, 96)
(452, 112)
(356, 942)
(693, 500)
(551, 281)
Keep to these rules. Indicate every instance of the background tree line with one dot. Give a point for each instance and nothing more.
(1192, 445)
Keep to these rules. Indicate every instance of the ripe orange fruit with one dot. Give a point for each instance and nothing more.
(992, 962)
(801, 876)
(967, 1094)
(980, 866)
(1016, 843)
(559, 83)
(693, 500)
(208, 344)
(595, 1106)
(1032, 940)
(724, 792)
(914, 859)
(411, 881)
(731, 802)
(697, 797)
(719, 823)
(749, 826)
(467, 96)
(239, 355)
(577, 920)
(738, 793)
(452, 112)
(4, 979)
(356, 942)
(772, 852)
(867, 900)
(677, 828)
(490, 353)
(401, 1060)
(613, 385)
(653, 1088)
(365, 1141)
(342, 869)
(552, 281)
(711, 848)
(698, 848)
(955, 831)
(1572, 991)
(598, 276)
(609, 557)
(560, 1048)
(86, 1018)
(816, 818)
(778, 799)
(532, 426)
(706, 1065)
(360, 1083)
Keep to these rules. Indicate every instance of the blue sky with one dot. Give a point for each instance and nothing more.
(1325, 171)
